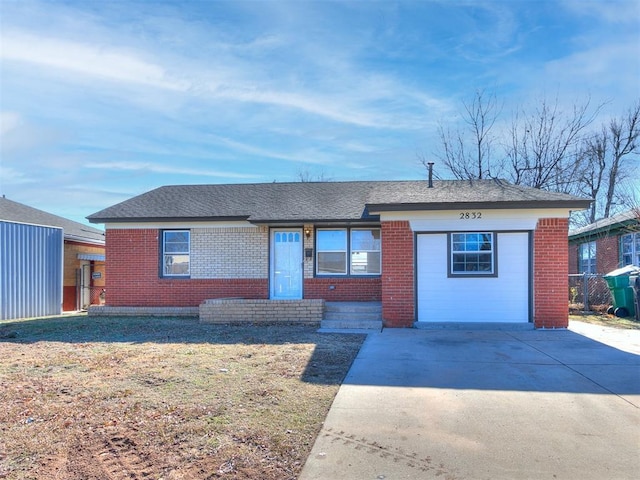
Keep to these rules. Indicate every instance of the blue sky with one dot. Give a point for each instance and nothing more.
(104, 100)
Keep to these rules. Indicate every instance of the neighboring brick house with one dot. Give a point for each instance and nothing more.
(450, 251)
(84, 253)
(606, 245)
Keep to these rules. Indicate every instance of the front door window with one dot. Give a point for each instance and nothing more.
(286, 264)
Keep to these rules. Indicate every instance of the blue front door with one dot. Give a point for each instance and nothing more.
(286, 263)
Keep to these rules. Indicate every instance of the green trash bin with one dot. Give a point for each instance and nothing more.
(621, 290)
(634, 281)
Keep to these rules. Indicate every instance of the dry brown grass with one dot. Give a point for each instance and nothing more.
(103, 398)
(606, 320)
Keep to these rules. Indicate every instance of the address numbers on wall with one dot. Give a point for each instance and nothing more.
(470, 215)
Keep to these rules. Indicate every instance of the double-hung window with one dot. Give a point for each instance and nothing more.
(472, 254)
(176, 249)
(630, 249)
(365, 251)
(344, 251)
(587, 252)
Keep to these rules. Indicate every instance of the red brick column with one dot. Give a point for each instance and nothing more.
(398, 302)
(550, 273)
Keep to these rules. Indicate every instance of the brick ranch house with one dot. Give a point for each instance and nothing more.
(606, 245)
(447, 251)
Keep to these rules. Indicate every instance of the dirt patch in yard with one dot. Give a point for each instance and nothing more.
(606, 320)
(150, 398)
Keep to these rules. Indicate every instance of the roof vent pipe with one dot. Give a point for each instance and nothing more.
(430, 166)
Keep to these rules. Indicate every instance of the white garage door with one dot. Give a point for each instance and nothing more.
(500, 298)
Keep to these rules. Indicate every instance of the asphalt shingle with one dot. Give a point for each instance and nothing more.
(17, 212)
(322, 201)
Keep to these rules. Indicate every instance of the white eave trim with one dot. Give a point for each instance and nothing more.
(185, 224)
(478, 219)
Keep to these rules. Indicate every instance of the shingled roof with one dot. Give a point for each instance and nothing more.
(324, 201)
(17, 212)
(620, 222)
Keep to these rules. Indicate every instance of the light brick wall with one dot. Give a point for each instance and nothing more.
(237, 252)
(71, 262)
(308, 243)
(230, 310)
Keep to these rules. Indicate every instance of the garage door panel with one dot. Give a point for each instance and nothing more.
(504, 298)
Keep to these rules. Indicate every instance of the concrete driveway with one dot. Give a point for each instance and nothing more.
(456, 404)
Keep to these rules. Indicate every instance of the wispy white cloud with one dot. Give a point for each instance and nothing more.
(167, 169)
(226, 71)
(614, 12)
(85, 59)
(9, 121)
(10, 175)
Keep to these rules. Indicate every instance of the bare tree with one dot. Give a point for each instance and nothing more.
(543, 148)
(604, 166)
(467, 152)
(592, 161)
(624, 137)
(306, 176)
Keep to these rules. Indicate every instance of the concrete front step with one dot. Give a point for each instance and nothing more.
(351, 324)
(356, 316)
(353, 307)
(352, 315)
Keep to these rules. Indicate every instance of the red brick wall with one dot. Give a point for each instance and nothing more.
(607, 254)
(132, 273)
(365, 289)
(573, 258)
(69, 298)
(550, 267)
(398, 274)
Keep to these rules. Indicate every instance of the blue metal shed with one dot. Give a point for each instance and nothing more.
(31, 267)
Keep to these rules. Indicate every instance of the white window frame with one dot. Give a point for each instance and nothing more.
(588, 261)
(166, 255)
(493, 272)
(632, 257)
(345, 251)
(361, 250)
(349, 270)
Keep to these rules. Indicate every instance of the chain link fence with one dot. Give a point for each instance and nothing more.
(588, 292)
(87, 296)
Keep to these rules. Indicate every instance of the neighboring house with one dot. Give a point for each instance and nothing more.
(453, 251)
(30, 270)
(83, 274)
(606, 245)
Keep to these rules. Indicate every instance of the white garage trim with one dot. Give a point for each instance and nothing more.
(505, 297)
(489, 219)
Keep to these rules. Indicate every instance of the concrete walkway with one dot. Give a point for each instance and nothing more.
(438, 404)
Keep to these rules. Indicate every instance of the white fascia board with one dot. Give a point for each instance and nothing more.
(177, 225)
(476, 220)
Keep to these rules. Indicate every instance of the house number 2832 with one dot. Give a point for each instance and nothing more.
(470, 215)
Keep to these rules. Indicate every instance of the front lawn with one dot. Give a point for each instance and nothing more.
(606, 320)
(114, 398)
